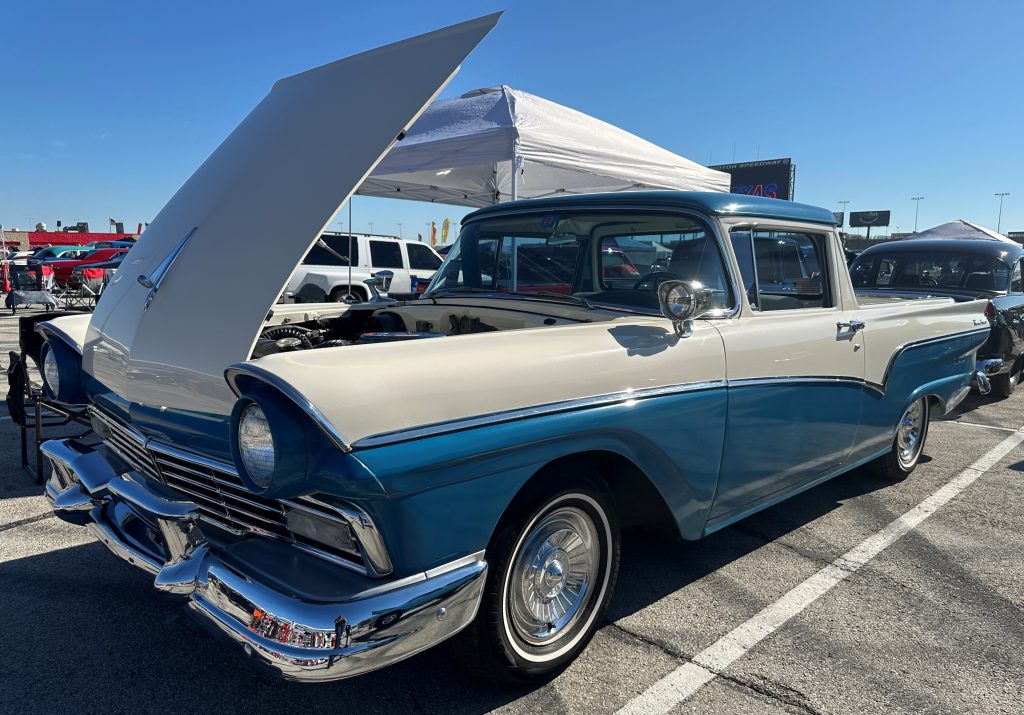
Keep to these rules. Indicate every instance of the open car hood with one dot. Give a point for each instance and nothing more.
(192, 295)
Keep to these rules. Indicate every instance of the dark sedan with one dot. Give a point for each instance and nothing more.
(962, 269)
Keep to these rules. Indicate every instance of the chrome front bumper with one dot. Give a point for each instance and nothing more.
(362, 628)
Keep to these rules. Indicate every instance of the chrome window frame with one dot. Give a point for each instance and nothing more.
(834, 291)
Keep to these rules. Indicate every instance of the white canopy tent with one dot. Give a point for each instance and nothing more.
(461, 151)
(961, 229)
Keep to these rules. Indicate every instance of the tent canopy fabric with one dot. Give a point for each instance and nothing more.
(961, 229)
(461, 151)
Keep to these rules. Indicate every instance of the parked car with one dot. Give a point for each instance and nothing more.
(964, 270)
(111, 244)
(324, 274)
(21, 257)
(63, 269)
(289, 473)
(52, 253)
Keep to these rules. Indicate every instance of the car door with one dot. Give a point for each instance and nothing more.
(795, 366)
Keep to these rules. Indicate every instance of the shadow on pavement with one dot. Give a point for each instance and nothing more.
(650, 571)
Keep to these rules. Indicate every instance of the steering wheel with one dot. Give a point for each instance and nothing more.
(929, 282)
(651, 281)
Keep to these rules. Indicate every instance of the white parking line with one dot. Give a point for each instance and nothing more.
(690, 677)
(975, 424)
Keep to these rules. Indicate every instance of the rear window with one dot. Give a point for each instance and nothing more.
(385, 254)
(422, 257)
(336, 256)
(921, 270)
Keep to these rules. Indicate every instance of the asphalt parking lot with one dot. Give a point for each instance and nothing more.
(924, 618)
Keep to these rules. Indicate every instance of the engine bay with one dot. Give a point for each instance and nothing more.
(369, 324)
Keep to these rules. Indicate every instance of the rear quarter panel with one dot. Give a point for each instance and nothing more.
(915, 348)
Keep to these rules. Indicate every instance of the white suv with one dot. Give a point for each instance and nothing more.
(323, 274)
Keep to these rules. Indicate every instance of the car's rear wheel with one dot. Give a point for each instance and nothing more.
(1005, 383)
(907, 445)
(344, 293)
(552, 566)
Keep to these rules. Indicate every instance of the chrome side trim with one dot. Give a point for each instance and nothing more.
(927, 341)
(290, 392)
(423, 576)
(493, 418)
(439, 428)
(807, 379)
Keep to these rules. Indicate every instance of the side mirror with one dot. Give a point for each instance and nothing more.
(681, 302)
(379, 285)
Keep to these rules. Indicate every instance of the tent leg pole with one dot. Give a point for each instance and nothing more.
(515, 181)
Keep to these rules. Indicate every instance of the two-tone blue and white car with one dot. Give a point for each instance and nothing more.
(301, 479)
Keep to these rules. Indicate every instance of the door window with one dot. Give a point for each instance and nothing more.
(783, 270)
(1016, 285)
(385, 254)
(422, 257)
(335, 254)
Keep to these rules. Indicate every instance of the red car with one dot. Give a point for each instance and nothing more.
(63, 270)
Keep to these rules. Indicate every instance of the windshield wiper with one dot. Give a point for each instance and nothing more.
(563, 297)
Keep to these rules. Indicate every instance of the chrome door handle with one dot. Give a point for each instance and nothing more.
(853, 325)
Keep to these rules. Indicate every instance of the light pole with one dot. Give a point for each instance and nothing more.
(427, 234)
(371, 227)
(999, 222)
(843, 204)
(917, 206)
(400, 229)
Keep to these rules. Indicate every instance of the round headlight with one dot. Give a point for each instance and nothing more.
(51, 373)
(256, 445)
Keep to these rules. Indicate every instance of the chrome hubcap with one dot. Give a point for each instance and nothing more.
(552, 576)
(908, 435)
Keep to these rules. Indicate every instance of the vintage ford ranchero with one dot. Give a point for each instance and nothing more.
(301, 479)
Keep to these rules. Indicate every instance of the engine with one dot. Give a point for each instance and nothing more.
(352, 328)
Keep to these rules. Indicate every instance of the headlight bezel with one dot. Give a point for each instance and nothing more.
(67, 363)
(288, 440)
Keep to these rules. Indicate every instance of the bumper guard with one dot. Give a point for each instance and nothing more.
(301, 639)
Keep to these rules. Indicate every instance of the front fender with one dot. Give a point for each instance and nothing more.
(446, 494)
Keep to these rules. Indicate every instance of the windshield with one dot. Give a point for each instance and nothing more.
(924, 270)
(608, 258)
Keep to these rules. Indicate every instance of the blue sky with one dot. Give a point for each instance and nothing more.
(108, 107)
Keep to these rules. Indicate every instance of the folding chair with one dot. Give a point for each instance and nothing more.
(31, 286)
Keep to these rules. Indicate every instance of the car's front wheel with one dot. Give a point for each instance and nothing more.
(552, 567)
(907, 445)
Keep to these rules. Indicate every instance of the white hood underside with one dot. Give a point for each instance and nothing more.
(253, 210)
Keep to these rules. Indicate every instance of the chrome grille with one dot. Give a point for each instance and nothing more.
(217, 490)
(128, 443)
(219, 493)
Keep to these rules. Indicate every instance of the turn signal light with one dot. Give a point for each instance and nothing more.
(990, 311)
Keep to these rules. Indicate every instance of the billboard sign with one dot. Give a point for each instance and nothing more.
(859, 219)
(773, 178)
